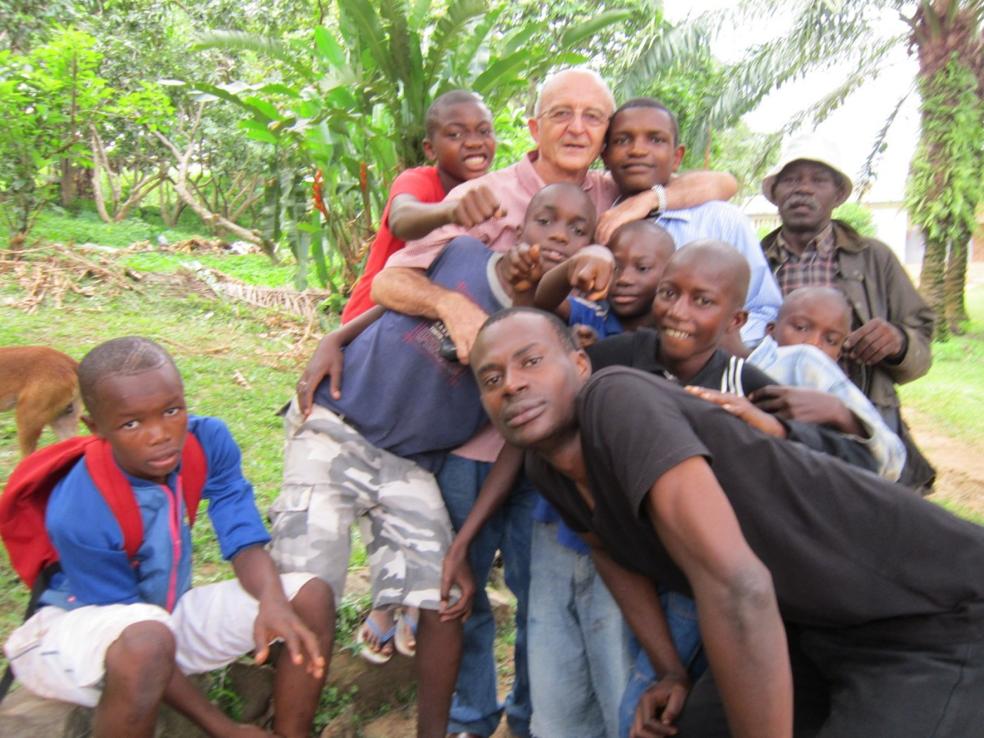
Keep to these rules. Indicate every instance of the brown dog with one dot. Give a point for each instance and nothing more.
(43, 385)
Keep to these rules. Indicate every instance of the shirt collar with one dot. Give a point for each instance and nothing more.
(765, 354)
(531, 181)
(823, 243)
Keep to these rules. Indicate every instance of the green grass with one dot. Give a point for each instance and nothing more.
(255, 269)
(57, 225)
(83, 225)
(952, 393)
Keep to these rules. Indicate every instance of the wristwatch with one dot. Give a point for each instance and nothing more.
(660, 191)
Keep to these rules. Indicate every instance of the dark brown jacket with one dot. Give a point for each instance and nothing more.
(877, 286)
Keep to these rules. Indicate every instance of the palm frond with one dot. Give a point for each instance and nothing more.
(664, 49)
(867, 172)
(365, 29)
(263, 45)
(452, 28)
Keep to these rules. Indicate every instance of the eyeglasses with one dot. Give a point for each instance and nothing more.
(591, 117)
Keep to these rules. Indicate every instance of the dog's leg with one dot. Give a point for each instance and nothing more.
(66, 425)
(38, 406)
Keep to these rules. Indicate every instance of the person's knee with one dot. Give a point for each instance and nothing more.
(143, 656)
(314, 603)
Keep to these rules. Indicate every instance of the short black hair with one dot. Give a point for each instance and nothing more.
(454, 97)
(812, 292)
(637, 228)
(647, 102)
(559, 327)
(127, 355)
(721, 258)
(589, 210)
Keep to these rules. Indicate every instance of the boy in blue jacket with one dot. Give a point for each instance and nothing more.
(120, 633)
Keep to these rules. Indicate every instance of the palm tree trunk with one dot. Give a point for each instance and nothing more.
(954, 282)
(931, 284)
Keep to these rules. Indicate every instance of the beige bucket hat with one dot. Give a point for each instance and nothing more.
(809, 148)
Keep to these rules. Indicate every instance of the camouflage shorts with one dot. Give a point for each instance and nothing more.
(333, 477)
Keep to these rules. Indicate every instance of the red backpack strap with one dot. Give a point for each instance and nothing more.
(116, 491)
(23, 504)
(194, 472)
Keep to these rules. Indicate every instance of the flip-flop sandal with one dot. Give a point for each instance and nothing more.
(382, 637)
(400, 641)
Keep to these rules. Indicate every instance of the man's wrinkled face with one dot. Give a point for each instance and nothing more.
(570, 128)
(528, 378)
(806, 193)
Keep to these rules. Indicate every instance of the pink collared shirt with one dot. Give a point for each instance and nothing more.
(515, 186)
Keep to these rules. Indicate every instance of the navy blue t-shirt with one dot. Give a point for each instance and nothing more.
(397, 390)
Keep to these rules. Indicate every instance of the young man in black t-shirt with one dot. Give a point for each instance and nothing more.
(699, 307)
(880, 592)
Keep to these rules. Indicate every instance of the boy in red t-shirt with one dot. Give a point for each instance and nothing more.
(461, 141)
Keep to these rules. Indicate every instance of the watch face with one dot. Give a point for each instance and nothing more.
(446, 348)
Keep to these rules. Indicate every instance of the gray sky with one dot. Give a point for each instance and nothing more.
(855, 125)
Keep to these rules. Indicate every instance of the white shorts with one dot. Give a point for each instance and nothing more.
(61, 654)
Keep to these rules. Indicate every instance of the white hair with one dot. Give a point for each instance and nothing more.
(553, 77)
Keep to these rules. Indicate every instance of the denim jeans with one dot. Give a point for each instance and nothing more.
(579, 644)
(681, 617)
(476, 707)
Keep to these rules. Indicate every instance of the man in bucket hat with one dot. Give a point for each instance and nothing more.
(892, 325)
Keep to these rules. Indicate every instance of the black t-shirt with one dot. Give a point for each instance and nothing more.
(846, 548)
(726, 373)
(640, 350)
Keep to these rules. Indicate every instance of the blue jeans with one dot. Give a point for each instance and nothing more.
(681, 617)
(579, 644)
(476, 707)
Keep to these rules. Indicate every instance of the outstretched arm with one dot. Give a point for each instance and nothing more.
(686, 190)
(328, 359)
(410, 219)
(639, 602)
(590, 270)
(736, 603)
(494, 492)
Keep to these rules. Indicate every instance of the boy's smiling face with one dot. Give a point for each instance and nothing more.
(561, 219)
(642, 150)
(696, 304)
(463, 143)
(143, 416)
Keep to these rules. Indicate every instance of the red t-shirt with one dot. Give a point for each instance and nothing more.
(424, 184)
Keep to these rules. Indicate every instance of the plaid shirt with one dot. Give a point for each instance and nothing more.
(815, 267)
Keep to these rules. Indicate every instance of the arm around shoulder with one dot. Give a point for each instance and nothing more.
(694, 188)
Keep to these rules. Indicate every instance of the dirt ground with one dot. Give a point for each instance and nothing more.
(959, 465)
